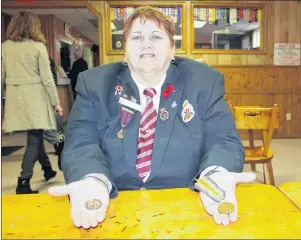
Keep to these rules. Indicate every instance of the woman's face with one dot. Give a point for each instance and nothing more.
(148, 47)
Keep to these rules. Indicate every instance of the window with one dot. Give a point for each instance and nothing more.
(227, 28)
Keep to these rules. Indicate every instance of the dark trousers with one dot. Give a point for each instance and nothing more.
(74, 95)
(51, 135)
(35, 150)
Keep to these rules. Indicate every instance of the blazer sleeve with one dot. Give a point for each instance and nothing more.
(46, 75)
(83, 153)
(223, 146)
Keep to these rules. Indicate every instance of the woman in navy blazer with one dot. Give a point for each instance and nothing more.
(153, 121)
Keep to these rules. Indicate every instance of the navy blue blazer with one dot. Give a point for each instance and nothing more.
(195, 136)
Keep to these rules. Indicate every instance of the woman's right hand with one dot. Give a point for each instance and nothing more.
(83, 194)
(59, 109)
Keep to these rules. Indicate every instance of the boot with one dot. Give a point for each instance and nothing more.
(48, 172)
(23, 187)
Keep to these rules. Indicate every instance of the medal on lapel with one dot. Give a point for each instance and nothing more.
(120, 133)
(126, 116)
(119, 90)
(164, 115)
(187, 112)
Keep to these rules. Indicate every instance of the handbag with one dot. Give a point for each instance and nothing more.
(60, 136)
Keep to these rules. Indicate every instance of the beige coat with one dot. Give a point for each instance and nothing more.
(30, 89)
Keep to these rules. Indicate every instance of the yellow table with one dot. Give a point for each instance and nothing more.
(293, 191)
(264, 212)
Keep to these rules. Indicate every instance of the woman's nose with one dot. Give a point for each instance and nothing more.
(146, 43)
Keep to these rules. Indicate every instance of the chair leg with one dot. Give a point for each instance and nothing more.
(264, 179)
(268, 173)
(253, 167)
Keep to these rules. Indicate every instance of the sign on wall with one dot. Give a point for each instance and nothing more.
(287, 54)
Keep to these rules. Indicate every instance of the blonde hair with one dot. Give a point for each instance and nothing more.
(23, 26)
(150, 13)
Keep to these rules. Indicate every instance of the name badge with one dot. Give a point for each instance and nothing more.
(130, 104)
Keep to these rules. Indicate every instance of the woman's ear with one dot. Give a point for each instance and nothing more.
(125, 62)
(173, 52)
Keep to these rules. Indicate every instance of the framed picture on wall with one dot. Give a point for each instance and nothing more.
(118, 12)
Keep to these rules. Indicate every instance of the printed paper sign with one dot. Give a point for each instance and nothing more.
(287, 54)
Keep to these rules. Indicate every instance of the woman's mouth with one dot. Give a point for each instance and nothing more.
(147, 55)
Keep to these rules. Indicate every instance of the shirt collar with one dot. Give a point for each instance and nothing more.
(156, 87)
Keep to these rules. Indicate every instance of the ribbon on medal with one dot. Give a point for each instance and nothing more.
(126, 116)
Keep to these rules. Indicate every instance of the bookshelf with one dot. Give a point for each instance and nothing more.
(227, 28)
(118, 12)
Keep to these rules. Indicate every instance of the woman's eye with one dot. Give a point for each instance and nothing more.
(154, 37)
(137, 38)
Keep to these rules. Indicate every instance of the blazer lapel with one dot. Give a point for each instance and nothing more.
(164, 128)
(131, 130)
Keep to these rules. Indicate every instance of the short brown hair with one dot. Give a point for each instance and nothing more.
(23, 26)
(149, 13)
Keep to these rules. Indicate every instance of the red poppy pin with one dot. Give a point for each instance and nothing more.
(168, 90)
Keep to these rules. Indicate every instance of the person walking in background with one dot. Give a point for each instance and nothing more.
(78, 66)
(31, 95)
(56, 137)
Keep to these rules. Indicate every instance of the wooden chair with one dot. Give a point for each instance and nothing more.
(250, 132)
(266, 120)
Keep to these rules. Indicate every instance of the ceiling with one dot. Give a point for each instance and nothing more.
(204, 31)
(79, 18)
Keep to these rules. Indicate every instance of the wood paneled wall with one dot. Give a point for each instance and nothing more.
(47, 28)
(266, 86)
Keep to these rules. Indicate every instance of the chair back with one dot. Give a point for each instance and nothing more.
(257, 118)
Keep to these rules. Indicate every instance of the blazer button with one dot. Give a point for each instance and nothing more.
(142, 188)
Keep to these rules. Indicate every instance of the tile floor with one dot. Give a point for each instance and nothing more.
(286, 164)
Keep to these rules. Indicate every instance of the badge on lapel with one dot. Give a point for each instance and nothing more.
(164, 115)
(187, 112)
(174, 104)
(119, 90)
(168, 91)
(126, 116)
(133, 99)
(130, 104)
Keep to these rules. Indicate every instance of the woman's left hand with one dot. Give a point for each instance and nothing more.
(226, 181)
(59, 109)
